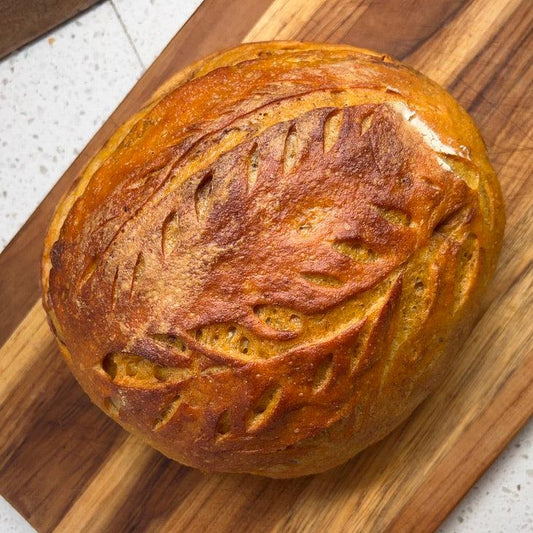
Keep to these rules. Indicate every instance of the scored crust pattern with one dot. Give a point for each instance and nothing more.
(259, 276)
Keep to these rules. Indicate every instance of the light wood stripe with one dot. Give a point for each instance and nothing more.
(23, 349)
(282, 20)
(316, 20)
(93, 510)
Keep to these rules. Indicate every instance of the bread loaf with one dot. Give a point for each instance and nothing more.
(273, 263)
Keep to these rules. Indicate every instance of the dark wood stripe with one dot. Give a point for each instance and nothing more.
(24, 20)
(495, 80)
(57, 438)
(215, 24)
(495, 87)
(241, 503)
(321, 27)
(500, 49)
(406, 26)
(165, 488)
(162, 485)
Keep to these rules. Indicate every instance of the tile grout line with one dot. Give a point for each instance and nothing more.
(128, 35)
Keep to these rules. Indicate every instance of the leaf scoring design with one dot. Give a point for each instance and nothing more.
(290, 151)
(167, 413)
(202, 196)
(170, 233)
(323, 373)
(264, 407)
(332, 129)
(130, 370)
(467, 264)
(264, 248)
(274, 260)
(253, 167)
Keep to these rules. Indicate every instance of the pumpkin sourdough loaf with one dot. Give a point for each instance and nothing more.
(272, 264)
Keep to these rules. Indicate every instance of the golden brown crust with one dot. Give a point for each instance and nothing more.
(269, 266)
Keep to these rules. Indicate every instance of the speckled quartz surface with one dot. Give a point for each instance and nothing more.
(68, 82)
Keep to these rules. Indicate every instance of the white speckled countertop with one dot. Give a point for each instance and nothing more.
(67, 83)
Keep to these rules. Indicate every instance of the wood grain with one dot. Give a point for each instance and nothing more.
(65, 466)
(23, 20)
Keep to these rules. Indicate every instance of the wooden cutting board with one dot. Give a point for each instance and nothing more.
(65, 466)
